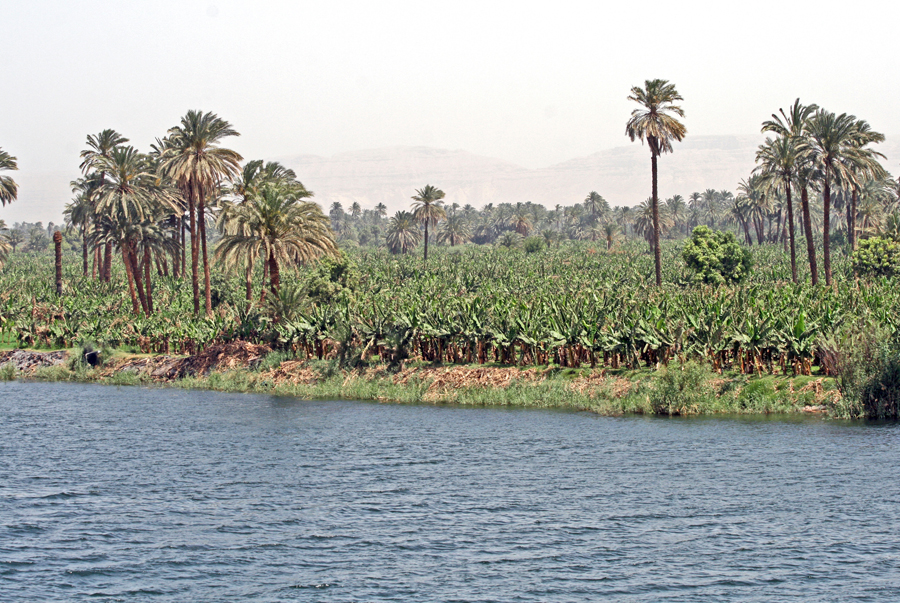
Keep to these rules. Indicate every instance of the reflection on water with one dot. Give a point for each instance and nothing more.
(127, 494)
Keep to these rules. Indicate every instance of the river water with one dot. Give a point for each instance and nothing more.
(130, 494)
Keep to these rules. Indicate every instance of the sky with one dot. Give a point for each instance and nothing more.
(533, 83)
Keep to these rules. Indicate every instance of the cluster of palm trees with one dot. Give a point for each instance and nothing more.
(144, 205)
(817, 150)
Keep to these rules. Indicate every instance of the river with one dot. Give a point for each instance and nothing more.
(133, 494)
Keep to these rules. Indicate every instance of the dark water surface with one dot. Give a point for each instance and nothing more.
(127, 494)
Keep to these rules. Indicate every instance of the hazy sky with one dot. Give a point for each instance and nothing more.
(532, 83)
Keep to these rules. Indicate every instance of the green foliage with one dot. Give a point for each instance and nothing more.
(877, 257)
(681, 390)
(332, 277)
(716, 257)
(533, 244)
(868, 367)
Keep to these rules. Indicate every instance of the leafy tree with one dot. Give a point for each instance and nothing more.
(716, 257)
(877, 257)
(653, 123)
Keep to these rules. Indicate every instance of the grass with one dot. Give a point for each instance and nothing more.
(689, 389)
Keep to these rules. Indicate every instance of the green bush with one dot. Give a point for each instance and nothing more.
(716, 257)
(533, 244)
(682, 389)
(868, 369)
(877, 257)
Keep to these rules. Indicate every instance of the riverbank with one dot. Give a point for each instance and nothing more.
(242, 367)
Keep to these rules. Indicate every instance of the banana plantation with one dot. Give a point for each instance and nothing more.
(571, 305)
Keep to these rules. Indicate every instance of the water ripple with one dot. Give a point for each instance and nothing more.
(128, 494)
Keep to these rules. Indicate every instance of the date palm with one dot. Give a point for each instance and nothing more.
(197, 164)
(836, 145)
(777, 161)
(9, 190)
(455, 230)
(596, 205)
(655, 123)
(789, 124)
(427, 209)
(278, 225)
(99, 147)
(403, 232)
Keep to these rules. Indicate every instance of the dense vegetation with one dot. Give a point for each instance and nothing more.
(513, 284)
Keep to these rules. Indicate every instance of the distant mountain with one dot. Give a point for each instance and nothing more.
(621, 174)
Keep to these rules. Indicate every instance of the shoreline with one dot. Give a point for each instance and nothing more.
(689, 389)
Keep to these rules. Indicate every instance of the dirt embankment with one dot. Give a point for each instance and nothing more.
(26, 361)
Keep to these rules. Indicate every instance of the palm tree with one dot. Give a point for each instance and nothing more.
(99, 147)
(381, 210)
(79, 214)
(9, 190)
(834, 143)
(790, 124)
(777, 161)
(521, 220)
(596, 205)
(427, 209)
(403, 232)
(653, 123)
(610, 230)
(677, 209)
(197, 164)
(278, 225)
(455, 230)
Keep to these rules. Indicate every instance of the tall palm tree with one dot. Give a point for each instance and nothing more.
(790, 124)
(197, 164)
(381, 210)
(777, 161)
(866, 168)
(99, 147)
(427, 209)
(834, 143)
(654, 123)
(79, 214)
(9, 190)
(403, 232)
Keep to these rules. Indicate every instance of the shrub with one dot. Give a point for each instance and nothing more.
(533, 244)
(877, 257)
(716, 257)
(682, 389)
(868, 370)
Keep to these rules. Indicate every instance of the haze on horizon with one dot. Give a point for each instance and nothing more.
(534, 86)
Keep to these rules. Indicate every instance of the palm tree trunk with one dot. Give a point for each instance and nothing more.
(826, 227)
(656, 252)
(84, 250)
(107, 263)
(148, 283)
(201, 218)
(134, 301)
(138, 279)
(274, 274)
(96, 261)
(851, 220)
(265, 278)
(426, 240)
(810, 245)
(249, 278)
(195, 252)
(57, 246)
(183, 270)
(790, 223)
